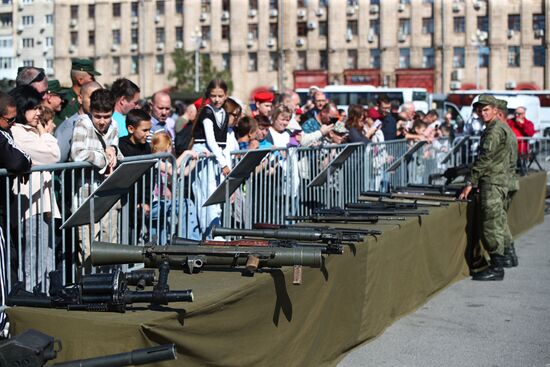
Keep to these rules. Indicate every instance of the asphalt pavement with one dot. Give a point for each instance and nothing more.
(486, 324)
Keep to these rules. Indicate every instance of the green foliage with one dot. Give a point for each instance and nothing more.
(184, 72)
(6, 85)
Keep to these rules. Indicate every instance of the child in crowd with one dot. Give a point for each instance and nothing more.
(246, 129)
(263, 130)
(161, 208)
(210, 135)
(46, 117)
(278, 134)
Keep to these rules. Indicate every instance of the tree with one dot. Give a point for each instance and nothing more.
(184, 72)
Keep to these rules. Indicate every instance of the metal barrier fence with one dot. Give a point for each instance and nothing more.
(165, 202)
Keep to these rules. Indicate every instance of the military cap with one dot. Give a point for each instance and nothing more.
(502, 105)
(262, 97)
(485, 99)
(340, 128)
(54, 86)
(86, 65)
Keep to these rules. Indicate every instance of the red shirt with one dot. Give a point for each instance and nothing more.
(522, 130)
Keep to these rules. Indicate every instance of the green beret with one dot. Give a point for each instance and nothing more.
(54, 86)
(86, 65)
(485, 99)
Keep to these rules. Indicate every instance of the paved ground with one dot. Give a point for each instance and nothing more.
(486, 324)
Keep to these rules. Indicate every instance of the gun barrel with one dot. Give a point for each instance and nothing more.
(160, 298)
(280, 234)
(114, 254)
(334, 218)
(134, 358)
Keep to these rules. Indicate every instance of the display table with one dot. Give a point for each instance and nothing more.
(266, 321)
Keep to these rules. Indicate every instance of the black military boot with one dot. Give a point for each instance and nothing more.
(510, 253)
(508, 261)
(495, 271)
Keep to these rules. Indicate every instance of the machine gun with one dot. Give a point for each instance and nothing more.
(429, 189)
(33, 349)
(329, 236)
(452, 173)
(341, 218)
(419, 196)
(194, 258)
(302, 229)
(363, 212)
(98, 292)
(380, 205)
(326, 248)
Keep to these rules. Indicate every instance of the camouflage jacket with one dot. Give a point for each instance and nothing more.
(496, 161)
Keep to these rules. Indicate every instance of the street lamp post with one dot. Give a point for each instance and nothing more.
(478, 40)
(196, 37)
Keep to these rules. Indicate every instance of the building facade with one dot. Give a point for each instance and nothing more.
(438, 44)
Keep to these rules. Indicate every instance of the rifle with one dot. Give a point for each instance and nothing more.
(410, 196)
(381, 205)
(340, 218)
(323, 235)
(362, 212)
(98, 292)
(429, 190)
(343, 230)
(452, 173)
(329, 248)
(194, 258)
(395, 200)
(33, 349)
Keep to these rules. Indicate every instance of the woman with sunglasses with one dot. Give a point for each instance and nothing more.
(35, 209)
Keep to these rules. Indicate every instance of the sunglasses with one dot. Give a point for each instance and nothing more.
(10, 121)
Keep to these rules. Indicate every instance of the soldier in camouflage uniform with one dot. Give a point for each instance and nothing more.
(494, 175)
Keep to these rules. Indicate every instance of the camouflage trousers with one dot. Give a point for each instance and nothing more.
(495, 233)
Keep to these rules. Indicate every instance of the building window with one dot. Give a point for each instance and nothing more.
(404, 58)
(49, 18)
(301, 29)
(179, 34)
(115, 70)
(539, 56)
(513, 56)
(427, 25)
(459, 25)
(74, 39)
(273, 61)
(160, 7)
(74, 11)
(352, 2)
(273, 30)
(226, 61)
(6, 42)
(134, 65)
(116, 10)
(324, 3)
(159, 35)
(483, 59)
(205, 31)
(27, 19)
(134, 36)
(483, 23)
(252, 31)
(28, 42)
(352, 27)
(252, 61)
(179, 6)
(538, 22)
(301, 60)
(6, 20)
(159, 64)
(514, 22)
(226, 5)
(253, 4)
(28, 63)
(404, 26)
(91, 11)
(135, 9)
(374, 27)
(205, 6)
(428, 58)
(323, 28)
(49, 41)
(49, 64)
(323, 60)
(302, 3)
(91, 38)
(352, 59)
(374, 58)
(273, 4)
(458, 57)
(116, 36)
(225, 31)
(5, 62)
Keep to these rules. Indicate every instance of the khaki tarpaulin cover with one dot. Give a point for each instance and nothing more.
(266, 321)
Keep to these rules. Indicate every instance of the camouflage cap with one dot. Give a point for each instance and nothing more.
(340, 128)
(502, 105)
(54, 86)
(485, 99)
(86, 65)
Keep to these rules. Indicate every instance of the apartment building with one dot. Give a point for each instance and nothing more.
(438, 44)
(26, 36)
